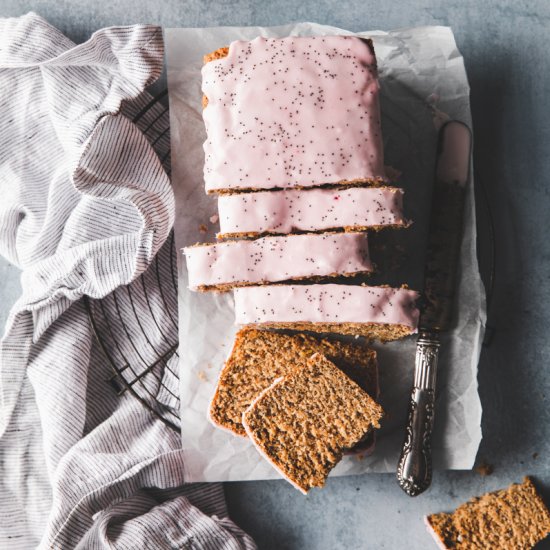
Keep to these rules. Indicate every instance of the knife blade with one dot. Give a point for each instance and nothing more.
(414, 469)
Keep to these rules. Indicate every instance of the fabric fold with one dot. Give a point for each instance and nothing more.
(86, 205)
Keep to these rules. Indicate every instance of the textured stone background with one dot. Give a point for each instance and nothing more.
(504, 46)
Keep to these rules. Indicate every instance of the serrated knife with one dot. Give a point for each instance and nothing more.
(414, 469)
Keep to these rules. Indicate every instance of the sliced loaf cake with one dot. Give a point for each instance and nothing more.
(284, 112)
(259, 357)
(222, 266)
(515, 518)
(304, 422)
(310, 210)
(376, 312)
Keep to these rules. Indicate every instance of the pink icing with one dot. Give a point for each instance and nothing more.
(277, 258)
(310, 210)
(292, 111)
(330, 303)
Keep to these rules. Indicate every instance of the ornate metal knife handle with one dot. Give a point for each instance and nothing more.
(414, 470)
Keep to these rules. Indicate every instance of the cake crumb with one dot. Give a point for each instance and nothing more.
(509, 519)
(202, 376)
(203, 228)
(485, 469)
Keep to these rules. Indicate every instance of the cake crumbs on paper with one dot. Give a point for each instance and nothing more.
(202, 376)
(203, 228)
(214, 218)
(485, 469)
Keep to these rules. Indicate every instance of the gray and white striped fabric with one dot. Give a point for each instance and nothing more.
(84, 207)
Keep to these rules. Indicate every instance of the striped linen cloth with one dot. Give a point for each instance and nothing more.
(85, 205)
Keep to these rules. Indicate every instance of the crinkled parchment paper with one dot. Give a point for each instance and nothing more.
(423, 83)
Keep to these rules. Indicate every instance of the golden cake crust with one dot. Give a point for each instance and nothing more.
(345, 229)
(372, 331)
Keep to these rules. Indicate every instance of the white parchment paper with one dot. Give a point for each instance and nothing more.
(423, 83)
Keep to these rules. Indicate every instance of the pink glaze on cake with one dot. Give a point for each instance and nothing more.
(330, 303)
(310, 210)
(295, 111)
(272, 259)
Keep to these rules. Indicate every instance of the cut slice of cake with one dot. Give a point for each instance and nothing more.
(222, 266)
(515, 518)
(259, 357)
(285, 112)
(310, 210)
(304, 422)
(376, 312)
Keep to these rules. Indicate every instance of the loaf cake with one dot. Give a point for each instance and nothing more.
(310, 210)
(292, 112)
(511, 519)
(222, 266)
(303, 422)
(259, 357)
(377, 312)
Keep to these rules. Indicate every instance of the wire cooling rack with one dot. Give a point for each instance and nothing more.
(143, 355)
(146, 310)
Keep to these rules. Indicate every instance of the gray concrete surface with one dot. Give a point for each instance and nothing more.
(504, 46)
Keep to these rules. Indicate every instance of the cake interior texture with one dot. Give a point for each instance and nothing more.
(304, 422)
(515, 518)
(372, 331)
(259, 357)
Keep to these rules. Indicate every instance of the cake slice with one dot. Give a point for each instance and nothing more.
(222, 266)
(303, 422)
(292, 112)
(376, 312)
(310, 210)
(259, 357)
(511, 519)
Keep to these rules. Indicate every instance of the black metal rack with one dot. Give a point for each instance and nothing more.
(145, 310)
